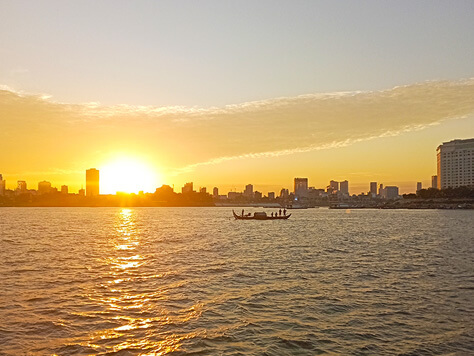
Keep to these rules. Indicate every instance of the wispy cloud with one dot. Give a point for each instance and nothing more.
(191, 137)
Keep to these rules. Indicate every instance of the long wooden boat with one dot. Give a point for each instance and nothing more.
(260, 216)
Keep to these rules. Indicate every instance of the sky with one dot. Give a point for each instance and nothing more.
(226, 93)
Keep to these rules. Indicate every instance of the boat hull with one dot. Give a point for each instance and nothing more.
(278, 217)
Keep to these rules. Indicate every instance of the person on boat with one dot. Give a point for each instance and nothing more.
(272, 215)
(279, 212)
(284, 212)
(242, 212)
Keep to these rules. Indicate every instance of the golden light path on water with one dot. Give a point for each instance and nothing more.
(133, 309)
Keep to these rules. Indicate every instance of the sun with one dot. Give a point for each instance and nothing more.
(128, 176)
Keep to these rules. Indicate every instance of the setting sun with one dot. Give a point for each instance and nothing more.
(128, 176)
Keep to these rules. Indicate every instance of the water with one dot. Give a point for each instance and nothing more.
(193, 281)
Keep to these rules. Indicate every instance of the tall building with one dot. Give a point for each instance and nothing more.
(187, 188)
(21, 187)
(284, 193)
(380, 189)
(301, 187)
(419, 186)
(64, 189)
(3, 185)
(92, 182)
(271, 195)
(334, 185)
(373, 188)
(434, 182)
(203, 190)
(456, 164)
(44, 187)
(248, 192)
(215, 192)
(344, 187)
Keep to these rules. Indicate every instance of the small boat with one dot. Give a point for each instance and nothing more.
(261, 215)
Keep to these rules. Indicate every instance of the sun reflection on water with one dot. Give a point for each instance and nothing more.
(138, 315)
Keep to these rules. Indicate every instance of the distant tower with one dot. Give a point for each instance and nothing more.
(373, 188)
(64, 189)
(21, 188)
(344, 187)
(334, 185)
(2, 185)
(284, 193)
(215, 192)
(248, 192)
(434, 182)
(301, 187)
(92, 182)
(419, 186)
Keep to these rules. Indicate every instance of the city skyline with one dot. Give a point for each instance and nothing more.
(227, 93)
(458, 157)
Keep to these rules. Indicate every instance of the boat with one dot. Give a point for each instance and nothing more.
(260, 215)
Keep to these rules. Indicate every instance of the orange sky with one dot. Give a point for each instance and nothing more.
(387, 136)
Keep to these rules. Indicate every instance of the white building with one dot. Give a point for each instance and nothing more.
(456, 164)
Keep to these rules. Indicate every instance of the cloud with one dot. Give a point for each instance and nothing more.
(188, 137)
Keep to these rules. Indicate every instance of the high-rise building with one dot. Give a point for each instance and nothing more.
(380, 189)
(456, 164)
(301, 187)
(3, 185)
(64, 189)
(21, 187)
(248, 192)
(434, 182)
(344, 187)
(284, 193)
(215, 192)
(187, 188)
(203, 190)
(334, 185)
(373, 188)
(92, 182)
(271, 195)
(44, 187)
(419, 186)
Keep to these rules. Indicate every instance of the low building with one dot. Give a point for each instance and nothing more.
(389, 192)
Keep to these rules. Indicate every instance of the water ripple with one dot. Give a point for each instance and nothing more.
(187, 281)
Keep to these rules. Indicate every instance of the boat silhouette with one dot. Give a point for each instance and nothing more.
(260, 215)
